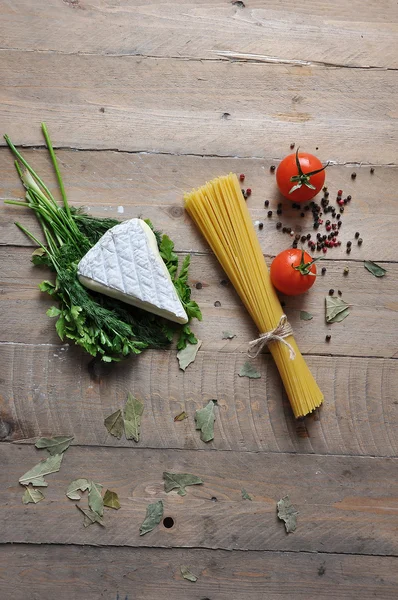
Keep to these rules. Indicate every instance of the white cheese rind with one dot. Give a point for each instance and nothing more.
(125, 264)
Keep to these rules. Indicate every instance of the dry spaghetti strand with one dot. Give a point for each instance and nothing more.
(220, 212)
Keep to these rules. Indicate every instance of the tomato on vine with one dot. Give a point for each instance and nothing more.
(300, 176)
(293, 271)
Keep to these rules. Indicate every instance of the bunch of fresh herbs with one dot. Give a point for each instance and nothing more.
(101, 325)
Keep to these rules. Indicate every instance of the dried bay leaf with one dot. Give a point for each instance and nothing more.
(45, 467)
(204, 420)
(287, 513)
(75, 485)
(154, 514)
(183, 415)
(179, 481)
(374, 268)
(95, 500)
(114, 424)
(111, 500)
(340, 316)
(56, 444)
(186, 573)
(227, 335)
(32, 495)
(248, 370)
(305, 316)
(245, 495)
(90, 517)
(132, 418)
(334, 306)
(188, 354)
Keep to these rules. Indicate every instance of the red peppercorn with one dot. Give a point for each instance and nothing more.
(328, 227)
(324, 250)
(241, 177)
(248, 192)
(340, 193)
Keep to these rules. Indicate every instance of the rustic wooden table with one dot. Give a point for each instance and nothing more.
(145, 100)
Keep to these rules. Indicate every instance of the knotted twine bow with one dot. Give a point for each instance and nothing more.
(281, 331)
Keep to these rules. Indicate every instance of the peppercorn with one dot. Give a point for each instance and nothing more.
(326, 194)
(284, 230)
(318, 247)
(324, 236)
(328, 227)
(279, 211)
(342, 209)
(266, 203)
(372, 170)
(260, 225)
(306, 208)
(288, 229)
(349, 244)
(278, 225)
(272, 168)
(244, 194)
(241, 177)
(346, 270)
(324, 189)
(323, 270)
(360, 241)
(353, 175)
(248, 192)
(279, 204)
(316, 225)
(269, 213)
(340, 193)
(318, 236)
(328, 222)
(302, 214)
(356, 235)
(217, 303)
(340, 293)
(348, 198)
(348, 249)
(198, 286)
(294, 245)
(328, 337)
(324, 250)
(292, 145)
(224, 281)
(303, 238)
(308, 236)
(345, 200)
(297, 236)
(331, 292)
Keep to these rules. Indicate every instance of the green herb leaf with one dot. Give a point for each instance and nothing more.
(53, 312)
(166, 250)
(74, 486)
(335, 306)
(374, 268)
(179, 481)
(45, 467)
(114, 424)
(186, 573)
(188, 354)
(305, 316)
(340, 316)
(32, 495)
(204, 420)
(287, 513)
(180, 417)
(95, 500)
(90, 517)
(111, 500)
(249, 370)
(245, 495)
(227, 335)
(56, 444)
(132, 418)
(154, 514)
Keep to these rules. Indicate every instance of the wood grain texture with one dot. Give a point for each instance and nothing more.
(345, 504)
(168, 105)
(358, 34)
(122, 185)
(47, 572)
(23, 308)
(49, 390)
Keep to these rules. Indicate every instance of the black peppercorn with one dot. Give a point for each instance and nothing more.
(349, 244)
(353, 175)
(357, 235)
(340, 293)
(288, 229)
(308, 236)
(297, 236)
(316, 225)
(266, 203)
(272, 168)
(303, 238)
(341, 209)
(306, 208)
(260, 225)
(348, 249)
(323, 270)
(278, 225)
(279, 211)
(331, 292)
(372, 170)
(339, 223)
(302, 214)
(328, 337)
(348, 198)
(360, 241)
(198, 286)
(269, 213)
(284, 230)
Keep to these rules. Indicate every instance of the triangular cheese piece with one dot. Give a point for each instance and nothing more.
(125, 264)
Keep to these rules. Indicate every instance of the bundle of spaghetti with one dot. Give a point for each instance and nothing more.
(219, 210)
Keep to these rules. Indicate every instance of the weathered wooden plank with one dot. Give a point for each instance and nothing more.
(49, 390)
(168, 105)
(23, 308)
(345, 504)
(124, 185)
(145, 573)
(351, 34)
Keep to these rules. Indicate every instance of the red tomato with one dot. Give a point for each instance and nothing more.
(290, 272)
(300, 176)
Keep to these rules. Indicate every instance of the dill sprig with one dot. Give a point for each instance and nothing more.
(101, 325)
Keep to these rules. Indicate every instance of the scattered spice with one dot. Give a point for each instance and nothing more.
(179, 481)
(372, 170)
(269, 213)
(266, 203)
(217, 303)
(181, 416)
(328, 337)
(272, 168)
(353, 175)
(331, 292)
(241, 177)
(340, 293)
(279, 211)
(357, 235)
(248, 192)
(346, 270)
(349, 244)
(292, 145)
(260, 225)
(323, 271)
(305, 316)
(360, 241)
(199, 286)
(278, 225)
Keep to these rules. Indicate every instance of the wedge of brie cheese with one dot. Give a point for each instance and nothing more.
(125, 264)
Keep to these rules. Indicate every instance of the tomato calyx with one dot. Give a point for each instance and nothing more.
(303, 178)
(305, 268)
